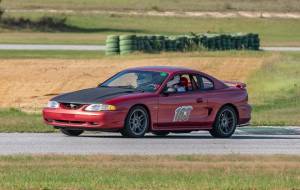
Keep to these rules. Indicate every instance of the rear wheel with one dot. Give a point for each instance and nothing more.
(225, 123)
(160, 133)
(137, 122)
(70, 132)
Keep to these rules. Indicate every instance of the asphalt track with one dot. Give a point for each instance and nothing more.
(44, 47)
(249, 141)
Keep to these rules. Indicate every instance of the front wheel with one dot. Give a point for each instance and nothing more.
(137, 122)
(225, 123)
(70, 132)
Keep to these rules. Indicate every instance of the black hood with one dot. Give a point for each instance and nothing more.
(91, 95)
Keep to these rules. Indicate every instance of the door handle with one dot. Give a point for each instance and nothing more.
(199, 100)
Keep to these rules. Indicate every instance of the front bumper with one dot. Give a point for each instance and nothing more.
(82, 119)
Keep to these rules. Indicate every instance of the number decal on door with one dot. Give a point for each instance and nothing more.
(182, 113)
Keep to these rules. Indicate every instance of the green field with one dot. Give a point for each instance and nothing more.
(72, 54)
(157, 5)
(93, 29)
(151, 172)
(274, 91)
(66, 54)
(14, 120)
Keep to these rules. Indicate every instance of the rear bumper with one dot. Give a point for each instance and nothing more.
(244, 114)
(83, 119)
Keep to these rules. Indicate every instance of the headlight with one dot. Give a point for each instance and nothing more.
(100, 107)
(52, 104)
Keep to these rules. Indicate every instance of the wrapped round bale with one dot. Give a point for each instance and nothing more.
(112, 45)
(128, 44)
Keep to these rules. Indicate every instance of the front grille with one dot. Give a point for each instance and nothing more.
(69, 122)
(70, 106)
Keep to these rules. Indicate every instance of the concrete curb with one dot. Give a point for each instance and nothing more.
(265, 130)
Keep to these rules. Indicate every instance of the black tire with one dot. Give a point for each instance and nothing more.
(71, 132)
(137, 122)
(161, 133)
(225, 123)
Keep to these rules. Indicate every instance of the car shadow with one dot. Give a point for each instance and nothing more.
(193, 136)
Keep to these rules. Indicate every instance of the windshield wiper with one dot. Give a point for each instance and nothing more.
(126, 87)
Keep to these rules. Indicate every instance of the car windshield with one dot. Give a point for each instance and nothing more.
(148, 81)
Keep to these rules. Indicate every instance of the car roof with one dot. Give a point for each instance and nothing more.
(168, 69)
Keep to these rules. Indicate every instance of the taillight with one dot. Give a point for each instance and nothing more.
(241, 85)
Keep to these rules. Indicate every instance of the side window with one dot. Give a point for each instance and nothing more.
(207, 84)
(181, 83)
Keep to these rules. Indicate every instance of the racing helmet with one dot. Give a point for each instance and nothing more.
(184, 82)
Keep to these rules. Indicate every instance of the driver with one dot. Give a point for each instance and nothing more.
(176, 83)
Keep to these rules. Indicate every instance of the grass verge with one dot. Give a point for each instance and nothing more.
(157, 5)
(32, 54)
(72, 54)
(151, 172)
(274, 91)
(13, 120)
(93, 29)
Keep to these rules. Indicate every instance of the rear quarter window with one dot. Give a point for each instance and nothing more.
(207, 84)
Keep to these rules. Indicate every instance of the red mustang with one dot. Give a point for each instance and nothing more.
(153, 99)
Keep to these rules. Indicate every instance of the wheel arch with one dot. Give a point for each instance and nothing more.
(235, 109)
(148, 112)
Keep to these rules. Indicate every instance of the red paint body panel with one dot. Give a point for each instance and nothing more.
(161, 108)
(83, 119)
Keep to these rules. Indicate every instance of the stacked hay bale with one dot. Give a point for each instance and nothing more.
(237, 41)
(225, 42)
(253, 41)
(170, 43)
(127, 44)
(192, 43)
(112, 45)
(160, 43)
(211, 41)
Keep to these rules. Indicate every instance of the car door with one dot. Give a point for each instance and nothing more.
(183, 110)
